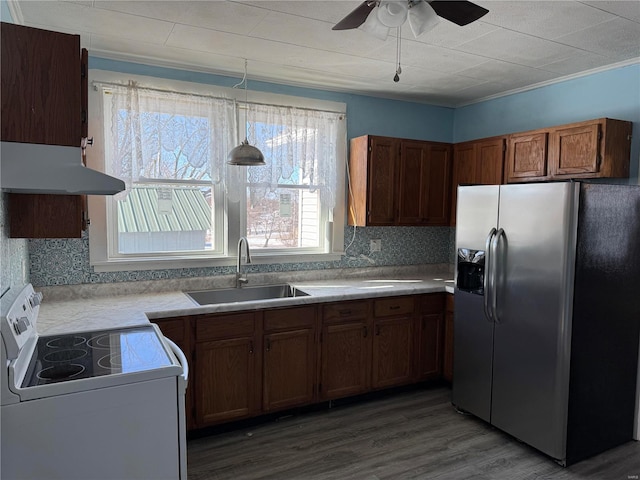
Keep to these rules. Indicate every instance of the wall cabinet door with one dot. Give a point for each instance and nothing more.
(381, 183)
(226, 387)
(527, 156)
(346, 359)
(425, 173)
(480, 162)
(392, 361)
(597, 148)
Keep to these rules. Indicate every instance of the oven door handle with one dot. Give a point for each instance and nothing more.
(181, 358)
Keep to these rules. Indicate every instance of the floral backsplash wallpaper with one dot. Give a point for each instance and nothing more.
(66, 261)
(13, 253)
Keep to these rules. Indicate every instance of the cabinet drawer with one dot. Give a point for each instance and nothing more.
(346, 310)
(386, 307)
(432, 303)
(288, 318)
(226, 326)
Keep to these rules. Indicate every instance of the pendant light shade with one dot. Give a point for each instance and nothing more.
(245, 154)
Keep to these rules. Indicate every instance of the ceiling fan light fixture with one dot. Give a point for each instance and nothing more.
(422, 18)
(374, 27)
(392, 13)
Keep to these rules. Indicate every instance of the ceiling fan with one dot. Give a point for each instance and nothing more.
(422, 15)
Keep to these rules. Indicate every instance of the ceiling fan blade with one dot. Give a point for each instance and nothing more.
(356, 17)
(460, 13)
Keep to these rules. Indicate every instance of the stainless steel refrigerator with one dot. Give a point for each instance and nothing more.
(547, 313)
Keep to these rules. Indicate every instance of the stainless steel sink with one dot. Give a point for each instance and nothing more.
(245, 294)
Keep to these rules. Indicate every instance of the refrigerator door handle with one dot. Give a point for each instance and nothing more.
(487, 275)
(494, 274)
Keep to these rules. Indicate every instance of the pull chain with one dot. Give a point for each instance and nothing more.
(396, 77)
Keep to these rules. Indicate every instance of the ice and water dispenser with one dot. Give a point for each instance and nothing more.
(470, 277)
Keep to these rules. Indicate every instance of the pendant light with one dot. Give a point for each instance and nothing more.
(245, 154)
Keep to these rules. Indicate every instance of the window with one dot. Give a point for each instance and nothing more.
(184, 206)
(289, 200)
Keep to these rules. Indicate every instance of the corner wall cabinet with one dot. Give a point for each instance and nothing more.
(44, 100)
(398, 181)
(248, 363)
(591, 149)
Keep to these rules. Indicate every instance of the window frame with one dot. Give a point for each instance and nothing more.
(234, 212)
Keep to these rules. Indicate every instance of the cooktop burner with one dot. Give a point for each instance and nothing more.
(63, 358)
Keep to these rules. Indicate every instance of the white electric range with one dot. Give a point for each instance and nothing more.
(105, 404)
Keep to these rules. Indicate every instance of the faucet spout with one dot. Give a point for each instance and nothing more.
(240, 280)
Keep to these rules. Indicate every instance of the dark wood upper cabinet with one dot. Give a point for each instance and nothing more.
(397, 181)
(43, 83)
(479, 162)
(41, 92)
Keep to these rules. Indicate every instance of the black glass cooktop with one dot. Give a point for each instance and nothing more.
(62, 358)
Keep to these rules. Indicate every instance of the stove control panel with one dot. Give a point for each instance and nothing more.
(18, 322)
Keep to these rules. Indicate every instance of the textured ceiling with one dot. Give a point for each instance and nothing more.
(518, 44)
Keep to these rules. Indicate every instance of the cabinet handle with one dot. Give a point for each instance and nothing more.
(366, 331)
(394, 307)
(268, 345)
(251, 346)
(344, 313)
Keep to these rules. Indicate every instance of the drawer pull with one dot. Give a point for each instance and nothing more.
(344, 313)
(268, 345)
(394, 307)
(251, 346)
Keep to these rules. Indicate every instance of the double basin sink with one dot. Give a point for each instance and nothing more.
(245, 294)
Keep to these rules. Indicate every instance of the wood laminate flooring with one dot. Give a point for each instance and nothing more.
(410, 435)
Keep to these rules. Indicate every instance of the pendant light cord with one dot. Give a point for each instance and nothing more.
(246, 104)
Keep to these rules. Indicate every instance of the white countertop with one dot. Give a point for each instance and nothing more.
(96, 313)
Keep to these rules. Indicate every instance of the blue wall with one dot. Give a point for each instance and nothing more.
(613, 93)
(365, 115)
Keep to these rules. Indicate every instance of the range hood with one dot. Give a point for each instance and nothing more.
(55, 169)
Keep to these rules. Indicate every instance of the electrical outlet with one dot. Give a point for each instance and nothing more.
(375, 245)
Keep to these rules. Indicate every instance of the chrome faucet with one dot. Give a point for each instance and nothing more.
(240, 280)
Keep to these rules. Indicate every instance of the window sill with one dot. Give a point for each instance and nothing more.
(192, 262)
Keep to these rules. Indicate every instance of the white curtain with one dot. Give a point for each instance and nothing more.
(165, 135)
(299, 146)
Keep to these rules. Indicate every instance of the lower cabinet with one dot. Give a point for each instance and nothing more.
(227, 366)
(447, 372)
(393, 342)
(289, 358)
(254, 362)
(345, 349)
(430, 326)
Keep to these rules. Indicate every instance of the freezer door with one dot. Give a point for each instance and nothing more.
(477, 215)
(535, 266)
